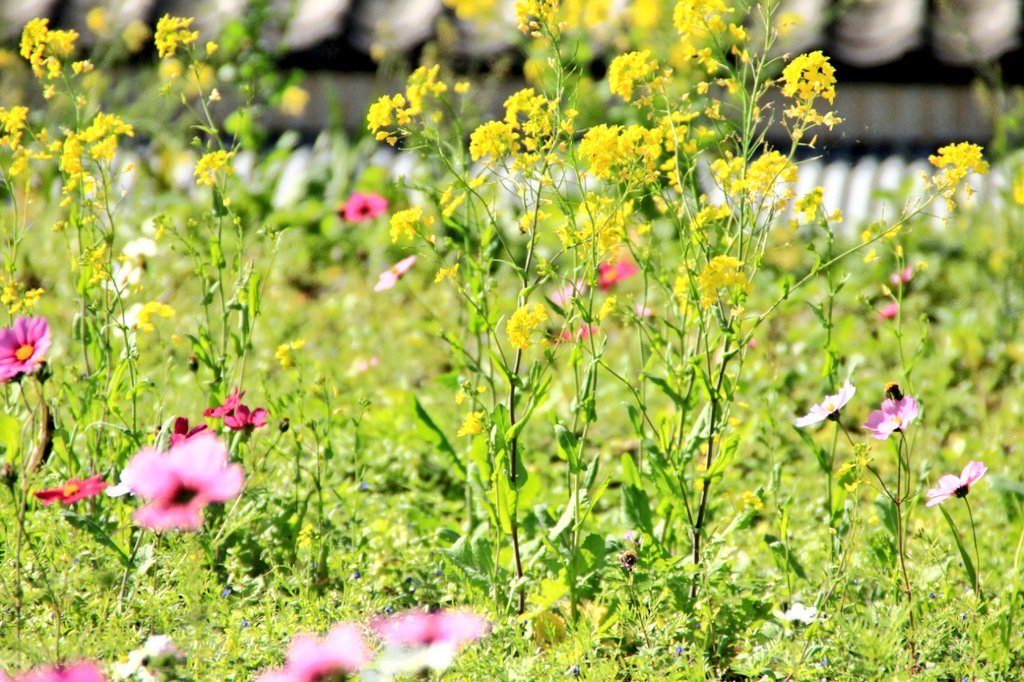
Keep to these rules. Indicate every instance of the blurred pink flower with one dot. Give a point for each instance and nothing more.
(956, 486)
(643, 311)
(79, 672)
(417, 640)
(342, 651)
(564, 296)
(828, 408)
(363, 206)
(902, 277)
(179, 483)
(584, 332)
(894, 416)
(23, 346)
(889, 311)
(244, 419)
(364, 364)
(73, 491)
(390, 277)
(182, 433)
(610, 274)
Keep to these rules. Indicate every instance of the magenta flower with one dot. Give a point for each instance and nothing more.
(341, 652)
(182, 433)
(244, 419)
(610, 274)
(894, 416)
(828, 408)
(363, 206)
(390, 277)
(72, 491)
(889, 311)
(79, 672)
(416, 640)
(568, 336)
(956, 486)
(23, 346)
(902, 277)
(179, 483)
(231, 404)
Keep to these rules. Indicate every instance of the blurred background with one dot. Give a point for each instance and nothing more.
(913, 74)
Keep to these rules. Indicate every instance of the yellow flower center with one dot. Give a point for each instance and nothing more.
(70, 489)
(24, 352)
(830, 407)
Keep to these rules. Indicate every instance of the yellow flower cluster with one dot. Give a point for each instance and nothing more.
(619, 153)
(468, 10)
(531, 15)
(721, 271)
(13, 123)
(172, 33)
(699, 22)
(805, 79)
(404, 223)
(44, 49)
(101, 138)
(599, 223)
(760, 177)
(522, 324)
(954, 162)
(285, 352)
(143, 315)
(446, 273)
(399, 109)
(493, 140)
(17, 298)
(526, 132)
(472, 425)
(708, 216)
(807, 205)
(1018, 187)
(630, 71)
(210, 164)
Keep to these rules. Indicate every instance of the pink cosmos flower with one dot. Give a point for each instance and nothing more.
(610, 274)
(23, 346)
(390, 277)
(894, 416)
(309, 659)
(889, 311)
(564, 296)
(244, 419)
(79, 672)
(363, 206)
(828, 408)
(902, 277)
(182, 433)
(956, 486)
(73, 491)
(416, 640)
(231, 404)
(177, 484)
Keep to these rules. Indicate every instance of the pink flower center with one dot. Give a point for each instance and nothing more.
(24, 352)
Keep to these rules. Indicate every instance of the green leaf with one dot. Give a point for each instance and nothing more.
(726, 453)
(567, 447)
(636, 506)
(439, 439)
(972, 573)
(819, 452)
(10, 436)
(666, 389)
(92, 528)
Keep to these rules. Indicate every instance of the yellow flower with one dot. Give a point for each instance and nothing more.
(629, 70)
(447, 273)
(96, 20)
(522, 323)
(284, 352)
(751, 501)
(807, 206)
(809, 76)
(597, 218)
(404, 223)
(17, 299)
(141, 316)
(135, 35)
(210, 163)
(472, 425)
(493, 139)
(721, 271)
(1018, 188)
(172, 33)
(44, 48)
(532, 14)
(954, 162)
(468, 10)
(607, 308)
(294, 100)
(13, 123)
